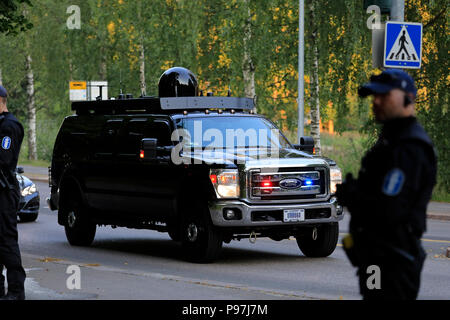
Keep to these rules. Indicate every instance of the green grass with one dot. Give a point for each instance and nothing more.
(440, 194)
(346, 149)
(36, 163)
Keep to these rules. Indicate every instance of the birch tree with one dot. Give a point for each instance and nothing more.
(142, 83)
(31, 110)
(314, 98)
(248, 67)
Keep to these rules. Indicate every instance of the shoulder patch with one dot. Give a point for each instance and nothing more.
(6, 143)
(393, 182)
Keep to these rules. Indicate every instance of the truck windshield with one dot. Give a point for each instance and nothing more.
(232, 132)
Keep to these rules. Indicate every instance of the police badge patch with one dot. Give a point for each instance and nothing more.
(6, 143)
(393, 182)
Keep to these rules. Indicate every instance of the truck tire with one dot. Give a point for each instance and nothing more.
(201, 241)
(324, 243)
(80, 231)
(31, 217)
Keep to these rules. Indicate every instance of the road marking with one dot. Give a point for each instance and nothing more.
(431, 240)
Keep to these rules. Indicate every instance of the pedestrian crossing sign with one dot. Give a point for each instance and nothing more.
(403, 45)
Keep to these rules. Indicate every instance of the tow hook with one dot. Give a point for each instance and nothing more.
(314, 234)
(252, 238)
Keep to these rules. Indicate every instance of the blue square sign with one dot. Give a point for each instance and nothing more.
(403, 45)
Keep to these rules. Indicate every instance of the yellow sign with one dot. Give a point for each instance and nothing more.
(78, 85)
(78, 90)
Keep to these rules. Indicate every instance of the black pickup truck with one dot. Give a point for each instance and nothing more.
(205, 169)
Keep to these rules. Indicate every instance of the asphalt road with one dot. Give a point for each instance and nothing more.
(142, 264)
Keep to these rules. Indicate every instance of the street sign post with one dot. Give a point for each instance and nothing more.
(403, 45)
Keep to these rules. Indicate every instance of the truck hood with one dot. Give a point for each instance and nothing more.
(253, 158)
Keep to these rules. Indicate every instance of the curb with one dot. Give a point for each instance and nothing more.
(39, 178)
(436, 216)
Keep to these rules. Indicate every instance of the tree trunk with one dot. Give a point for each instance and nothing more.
(315, 101)
(103, 66)
(142, 70)
(1, 78)
(32, 149)
(70, 65)
(142, 83)
(248, 68)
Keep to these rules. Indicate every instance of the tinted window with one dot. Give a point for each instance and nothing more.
(240, 132)
(140, 128)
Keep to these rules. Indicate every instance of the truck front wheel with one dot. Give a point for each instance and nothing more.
(320, 241)
(80, 231)
(201, 241)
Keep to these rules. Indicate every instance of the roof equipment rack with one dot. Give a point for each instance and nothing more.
(166, 105)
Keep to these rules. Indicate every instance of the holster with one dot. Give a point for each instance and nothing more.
(350, 250)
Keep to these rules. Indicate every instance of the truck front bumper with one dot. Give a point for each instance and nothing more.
(248, 215)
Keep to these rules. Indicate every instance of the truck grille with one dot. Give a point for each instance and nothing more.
(288, 184)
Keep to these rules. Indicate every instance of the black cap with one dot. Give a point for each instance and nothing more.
(3, 92)
(388, 80)
(178, 82)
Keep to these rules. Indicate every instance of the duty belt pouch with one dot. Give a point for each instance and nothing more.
(413, 258)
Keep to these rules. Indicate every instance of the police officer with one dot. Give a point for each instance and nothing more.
(388, 200)
(11, 136)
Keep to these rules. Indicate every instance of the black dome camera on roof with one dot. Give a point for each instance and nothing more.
(178, 82)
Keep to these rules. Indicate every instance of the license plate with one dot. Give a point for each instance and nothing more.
(294, 215)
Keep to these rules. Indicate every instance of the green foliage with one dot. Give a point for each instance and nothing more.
(12, 19)
(433, 81)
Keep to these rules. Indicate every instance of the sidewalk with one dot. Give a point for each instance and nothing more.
(436, 210)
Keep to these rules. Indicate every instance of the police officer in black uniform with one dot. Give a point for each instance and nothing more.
(11, 136)
(388, 200)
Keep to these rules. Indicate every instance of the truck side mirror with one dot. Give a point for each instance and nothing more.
(148, 149)
(306, 145)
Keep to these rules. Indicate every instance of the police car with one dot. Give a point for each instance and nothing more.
(29, 198)
(205, 169)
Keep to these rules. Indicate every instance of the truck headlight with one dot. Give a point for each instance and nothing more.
(335, 178)
(29, 190)
(225, 182)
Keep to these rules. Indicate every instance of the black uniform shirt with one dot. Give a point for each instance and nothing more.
(395, 183)
(11, 136)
